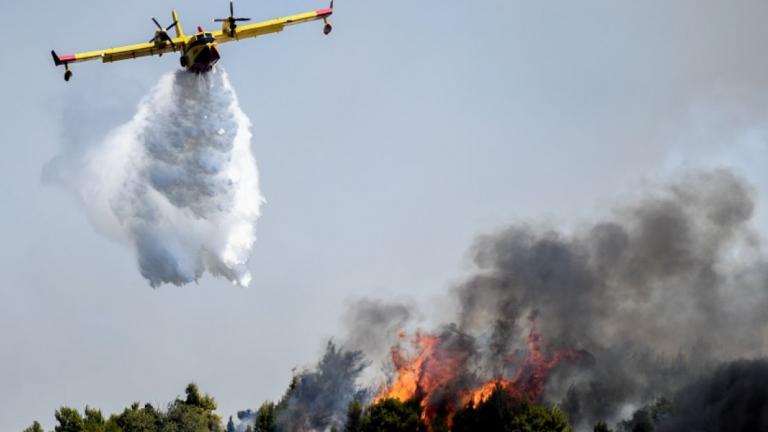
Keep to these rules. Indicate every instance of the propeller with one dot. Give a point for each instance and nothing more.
(231, 19)
(161, 34)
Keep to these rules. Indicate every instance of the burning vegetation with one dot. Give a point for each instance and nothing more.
(440, 375)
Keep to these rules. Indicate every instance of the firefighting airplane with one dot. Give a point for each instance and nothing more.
(199, 52)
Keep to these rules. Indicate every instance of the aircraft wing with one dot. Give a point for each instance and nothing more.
(121, 53)
(271, 26)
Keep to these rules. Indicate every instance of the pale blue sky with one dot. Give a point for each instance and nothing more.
(383, 150)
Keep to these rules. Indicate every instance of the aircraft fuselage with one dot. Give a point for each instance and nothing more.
(201, 53)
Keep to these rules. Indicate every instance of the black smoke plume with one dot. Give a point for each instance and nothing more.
(734, 398)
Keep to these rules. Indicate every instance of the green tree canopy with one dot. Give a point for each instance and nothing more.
(69, 420)
(138, 419)
(354, 417)
(195, 413)
(392, 415)
(501, 413)
(34, 428)
(265, 418)
(93, 421)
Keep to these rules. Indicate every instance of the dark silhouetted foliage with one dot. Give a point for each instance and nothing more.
(601, 426)
(265, 418)
(647, 418)
(35, 427)
(391, 415)
(354, 417)
(502, 413)
(69, 420)
(194, 413)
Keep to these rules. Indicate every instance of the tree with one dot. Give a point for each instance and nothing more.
(354, 417)
(93, 421)
(646, 418)
(34, 428)
(137, 419)
(231, 425)
(641, 421)
(501, 413)
(392, 415)
(196, 399)
(661, 409)
(601, 426)
(69, 420)
(265, 418)
(528, 416)
(195, 413)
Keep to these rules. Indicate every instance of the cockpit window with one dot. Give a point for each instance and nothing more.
(203, 38)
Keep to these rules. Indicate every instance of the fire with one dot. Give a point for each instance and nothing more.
(411, 374)
(530, 377)
(430, 372)
(437, 373)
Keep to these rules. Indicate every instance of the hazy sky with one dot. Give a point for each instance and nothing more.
(383, 150)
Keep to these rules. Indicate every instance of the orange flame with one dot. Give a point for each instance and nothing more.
(436, 374)
(530, 377)
(431, 370)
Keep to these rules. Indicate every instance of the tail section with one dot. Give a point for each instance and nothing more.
(56, 59)
(179, 30)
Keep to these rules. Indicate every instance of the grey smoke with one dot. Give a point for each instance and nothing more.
(652, 298)
(317, 398)
(373, 328)
(656, 294)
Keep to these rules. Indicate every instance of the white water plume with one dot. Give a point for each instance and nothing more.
(179, 181)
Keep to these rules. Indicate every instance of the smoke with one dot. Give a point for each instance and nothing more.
(733, 398)
(179, 182)
(373, 327)
(604, 319)
(657, 294)
(317, 399)
(609, 318)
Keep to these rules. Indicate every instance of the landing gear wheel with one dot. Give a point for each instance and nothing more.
(183, 61)
(67, 75)
(327, 29)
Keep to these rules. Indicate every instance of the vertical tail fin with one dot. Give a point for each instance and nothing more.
(179, 30)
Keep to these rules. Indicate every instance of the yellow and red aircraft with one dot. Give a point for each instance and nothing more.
(199, 52)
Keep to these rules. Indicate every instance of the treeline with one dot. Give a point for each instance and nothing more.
(499, 413)
(196, 413)
(326, 398)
